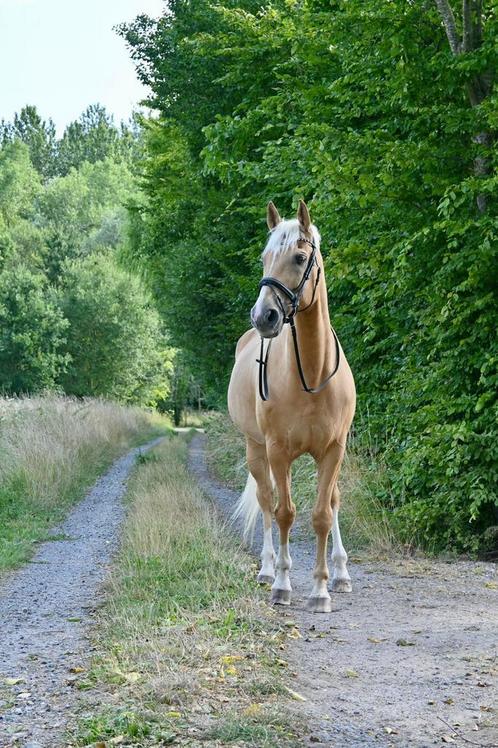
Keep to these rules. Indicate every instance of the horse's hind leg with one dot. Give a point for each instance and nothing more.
(328, 470)
(257, 462)
(341, 581)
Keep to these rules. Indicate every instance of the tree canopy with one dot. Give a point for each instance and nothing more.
(71, 316)
(382, 115)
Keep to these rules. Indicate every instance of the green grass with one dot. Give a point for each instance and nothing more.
(258, 731)
(52, 450)
(126, 724)
(365, 523)
(188, 650)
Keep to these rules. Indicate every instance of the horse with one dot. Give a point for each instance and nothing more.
(271, 400)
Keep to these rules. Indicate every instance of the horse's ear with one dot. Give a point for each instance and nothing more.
(272, 216)
(303, 215)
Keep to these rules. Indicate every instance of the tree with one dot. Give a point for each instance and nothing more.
(475, 45)
(114, 337)
(19, 182)
(37, 134)
(32, 333)
(94, 137)
(19, 188)
(377, 131)
(84, 211)
(181, 389)
(71, 231)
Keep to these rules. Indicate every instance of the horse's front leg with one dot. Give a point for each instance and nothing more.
(284, 516)
(257, 462)
(328, 471)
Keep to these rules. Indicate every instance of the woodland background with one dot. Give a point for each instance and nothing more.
(130, 255)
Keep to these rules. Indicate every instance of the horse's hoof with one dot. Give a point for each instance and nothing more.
(280, 597)
(341, 585)
(265, 579)
(319, 604)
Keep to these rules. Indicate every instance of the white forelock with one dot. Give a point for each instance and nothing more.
(286, 234)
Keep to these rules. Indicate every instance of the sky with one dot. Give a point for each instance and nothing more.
(63, 55)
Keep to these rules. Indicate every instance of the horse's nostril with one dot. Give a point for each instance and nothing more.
(271, 316)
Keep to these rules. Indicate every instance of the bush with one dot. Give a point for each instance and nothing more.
(115, 341)
(32, 333)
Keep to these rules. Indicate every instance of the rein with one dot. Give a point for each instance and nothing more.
(294, 298)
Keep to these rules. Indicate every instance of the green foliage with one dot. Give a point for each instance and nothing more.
(19, 188)
(38, 135)
(182, 389)
(376, 131)
(93, 137)
(114, 337)
(61, 241)
(19, 183)
(32, 333)
(84, 211)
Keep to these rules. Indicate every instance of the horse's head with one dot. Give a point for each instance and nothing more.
(290, 260)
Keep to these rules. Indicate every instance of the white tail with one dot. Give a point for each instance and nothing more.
(248, 508)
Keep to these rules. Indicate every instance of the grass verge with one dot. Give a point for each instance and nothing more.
(188, 652)
(51, 450)
(365, 522)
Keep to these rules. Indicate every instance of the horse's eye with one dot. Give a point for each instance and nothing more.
(300, 259)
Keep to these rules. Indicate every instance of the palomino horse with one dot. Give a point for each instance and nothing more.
(298, 398)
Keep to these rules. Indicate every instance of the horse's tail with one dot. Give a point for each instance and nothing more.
(247, 509)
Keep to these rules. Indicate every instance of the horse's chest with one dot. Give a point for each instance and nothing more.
(298, 430)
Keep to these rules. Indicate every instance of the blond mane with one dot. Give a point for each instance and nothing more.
(286, 234)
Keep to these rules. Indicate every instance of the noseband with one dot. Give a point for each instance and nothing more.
(294, 298)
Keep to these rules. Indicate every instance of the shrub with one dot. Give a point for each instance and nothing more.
(114, 337)
(32, 332)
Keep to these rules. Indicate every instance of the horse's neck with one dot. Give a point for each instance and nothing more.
(315, 338)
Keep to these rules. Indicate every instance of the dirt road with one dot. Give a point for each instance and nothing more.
(46, 614)
(410, 658)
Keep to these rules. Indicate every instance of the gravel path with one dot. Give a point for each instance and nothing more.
(46, 611)
(414, 647)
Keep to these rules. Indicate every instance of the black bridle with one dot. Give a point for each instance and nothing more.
(294, 298)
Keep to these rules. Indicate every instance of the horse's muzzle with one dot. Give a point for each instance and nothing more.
(267, 321)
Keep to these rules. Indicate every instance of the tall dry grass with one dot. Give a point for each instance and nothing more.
(174, 533)
(51, 449)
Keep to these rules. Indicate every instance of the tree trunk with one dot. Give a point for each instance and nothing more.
(480, 87)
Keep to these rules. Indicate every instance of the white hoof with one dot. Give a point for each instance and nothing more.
(342, 585)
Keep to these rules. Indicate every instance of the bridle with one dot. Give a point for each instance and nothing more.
(294, 298)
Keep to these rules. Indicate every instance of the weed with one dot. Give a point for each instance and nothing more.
(125, 725)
